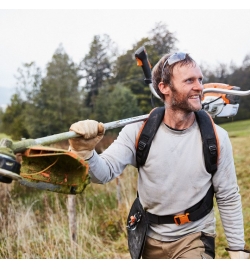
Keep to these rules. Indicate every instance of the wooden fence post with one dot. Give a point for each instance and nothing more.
(72, 217)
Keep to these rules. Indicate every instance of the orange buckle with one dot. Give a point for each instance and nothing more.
(181, 219)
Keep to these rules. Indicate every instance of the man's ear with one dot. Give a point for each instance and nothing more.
(164, 88)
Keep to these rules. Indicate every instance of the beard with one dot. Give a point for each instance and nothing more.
(180, 102)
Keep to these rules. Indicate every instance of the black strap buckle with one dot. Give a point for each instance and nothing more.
(141, 145)
(213, 149)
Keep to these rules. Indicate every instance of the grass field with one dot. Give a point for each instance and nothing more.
(34, 224)
(239, 133)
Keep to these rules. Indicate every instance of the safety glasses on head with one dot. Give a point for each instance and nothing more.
(174, 58)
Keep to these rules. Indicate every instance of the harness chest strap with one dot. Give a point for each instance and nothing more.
(211, 150)
(196, 212)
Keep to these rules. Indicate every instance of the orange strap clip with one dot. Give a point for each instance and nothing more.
(181, 219)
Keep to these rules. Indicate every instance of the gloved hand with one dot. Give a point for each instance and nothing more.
(238, 254)
(92, 132)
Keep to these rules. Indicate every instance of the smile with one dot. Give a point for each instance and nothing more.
(194, 97)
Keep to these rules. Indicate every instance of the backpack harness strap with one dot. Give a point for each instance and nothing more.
(146, 135)
(210, 144)
(209, 140)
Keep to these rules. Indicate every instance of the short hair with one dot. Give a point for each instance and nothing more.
(160, 74)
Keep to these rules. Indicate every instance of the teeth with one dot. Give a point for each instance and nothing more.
(194, 97)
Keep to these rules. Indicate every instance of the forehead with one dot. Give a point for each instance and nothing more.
(186, 71)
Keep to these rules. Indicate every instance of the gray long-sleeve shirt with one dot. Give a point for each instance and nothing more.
(174, 178)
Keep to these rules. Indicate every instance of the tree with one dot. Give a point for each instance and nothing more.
(241, 77)
(27, 87)
(54, 107)
(234, 76)
(123, 104)
(160, 41)
(97, 67)
(28, 83)
(13, 122)
(1, 119)
(119, 104)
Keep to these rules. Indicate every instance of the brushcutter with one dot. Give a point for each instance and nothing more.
(57, 170)
(48, 168)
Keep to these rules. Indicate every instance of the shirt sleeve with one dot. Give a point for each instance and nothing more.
(112, 162)
(227, 195)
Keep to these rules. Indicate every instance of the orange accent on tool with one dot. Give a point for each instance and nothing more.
(132, 219)
(220, 86)
(139, 62)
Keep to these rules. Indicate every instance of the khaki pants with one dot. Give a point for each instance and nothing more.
(193, 246)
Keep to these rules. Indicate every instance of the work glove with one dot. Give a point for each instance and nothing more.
(91, 133)
(238, 254)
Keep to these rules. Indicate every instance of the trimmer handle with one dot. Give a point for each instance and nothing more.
(142, 60)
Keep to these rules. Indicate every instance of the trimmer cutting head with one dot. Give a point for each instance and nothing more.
(52, 169)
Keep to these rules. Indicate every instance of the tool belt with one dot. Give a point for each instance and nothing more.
(139, 219)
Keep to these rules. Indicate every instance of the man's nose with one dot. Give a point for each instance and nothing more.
(198, 86)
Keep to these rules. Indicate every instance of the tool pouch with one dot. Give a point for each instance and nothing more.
(137, 226)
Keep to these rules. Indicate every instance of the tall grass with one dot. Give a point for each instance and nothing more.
(34, 223)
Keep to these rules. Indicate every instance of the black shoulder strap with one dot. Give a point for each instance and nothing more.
(146, 137)
(209, 141)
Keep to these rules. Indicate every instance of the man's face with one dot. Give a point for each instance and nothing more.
(186, 88)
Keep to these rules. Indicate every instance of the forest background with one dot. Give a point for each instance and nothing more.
(103, 86)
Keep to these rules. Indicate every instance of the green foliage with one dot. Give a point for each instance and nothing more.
(28, 85)
(119, 104)
(159, 42)
(13, 122)
(97, 67)
(123, 104)
(59, 96)
(1, 119)
(3, 135)
(53, 102)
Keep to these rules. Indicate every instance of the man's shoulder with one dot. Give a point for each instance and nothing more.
(220, 129)
(131, 130)
(221, 132)
(133, 127)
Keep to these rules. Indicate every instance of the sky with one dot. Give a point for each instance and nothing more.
(33, 31)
